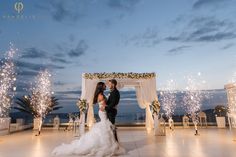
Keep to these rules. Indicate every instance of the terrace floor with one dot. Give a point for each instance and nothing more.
(211, 142)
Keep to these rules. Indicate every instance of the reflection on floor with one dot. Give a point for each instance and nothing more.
(138, 143)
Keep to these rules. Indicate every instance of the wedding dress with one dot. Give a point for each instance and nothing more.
(99, 141)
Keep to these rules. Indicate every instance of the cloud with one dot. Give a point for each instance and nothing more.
(58, 59)
(36, 66)
(173, 38)
(71, 37)
(217, 36)
(124, 7)
(177, 50)
(227, 46)
(27, 73)
(33, 53)
(202, 3)
(62, 10)
(59, 83)
(148, 38)
(80, 49)
(205, 29)
(123, 4)
(110, 21)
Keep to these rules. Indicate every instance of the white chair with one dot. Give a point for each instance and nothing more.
(203, 119)
(185, 120)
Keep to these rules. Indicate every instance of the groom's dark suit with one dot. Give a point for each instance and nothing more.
(112, 103)
(111, 108)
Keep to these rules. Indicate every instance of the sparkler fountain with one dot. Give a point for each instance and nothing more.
(168, 98)
(41, 96)
(7, 88)
(193, 98)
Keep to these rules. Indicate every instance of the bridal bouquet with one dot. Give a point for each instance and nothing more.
(82, 104)
(155, 106)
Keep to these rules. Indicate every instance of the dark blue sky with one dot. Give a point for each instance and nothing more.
(173, 38)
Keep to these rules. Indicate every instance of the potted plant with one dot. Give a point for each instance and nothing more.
(220, 113)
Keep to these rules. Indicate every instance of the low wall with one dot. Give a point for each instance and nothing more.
(5, 126)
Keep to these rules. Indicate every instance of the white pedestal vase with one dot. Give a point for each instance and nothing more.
(5, 125)
(220, 122)
(37, 123)
(156, 124)
(161, 127)
(185, 121)
(82, 124)
(56, 123)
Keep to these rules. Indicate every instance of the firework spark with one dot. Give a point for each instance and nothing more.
(168, 98)
(7, 81)
(194, 96)
(41, 93)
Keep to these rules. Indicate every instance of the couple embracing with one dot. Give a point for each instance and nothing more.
(102, 139)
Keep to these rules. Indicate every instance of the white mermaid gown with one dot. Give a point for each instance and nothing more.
(99, 141)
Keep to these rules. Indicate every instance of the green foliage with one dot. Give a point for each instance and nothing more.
(221, 110)
(24, 105)
(82, 104)
(155, 107)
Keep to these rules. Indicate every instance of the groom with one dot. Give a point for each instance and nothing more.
(112, 104)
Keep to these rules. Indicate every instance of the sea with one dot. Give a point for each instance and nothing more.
(128, 109)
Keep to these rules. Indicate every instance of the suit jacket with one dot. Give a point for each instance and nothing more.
(113, 100)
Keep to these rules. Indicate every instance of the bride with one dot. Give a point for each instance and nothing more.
(100, 140)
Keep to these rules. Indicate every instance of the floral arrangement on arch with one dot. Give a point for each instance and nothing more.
(82, 104)
(155, 107)
(119, 75)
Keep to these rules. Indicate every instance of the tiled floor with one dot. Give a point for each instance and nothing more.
(137, 142)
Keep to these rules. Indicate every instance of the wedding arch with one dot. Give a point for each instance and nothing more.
(144, 84)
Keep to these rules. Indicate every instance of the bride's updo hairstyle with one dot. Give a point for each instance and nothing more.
(99, 90)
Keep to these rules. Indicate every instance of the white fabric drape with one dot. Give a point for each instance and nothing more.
(88, 89)
(145, 92)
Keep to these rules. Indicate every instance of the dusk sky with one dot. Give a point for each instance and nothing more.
(173, 38)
